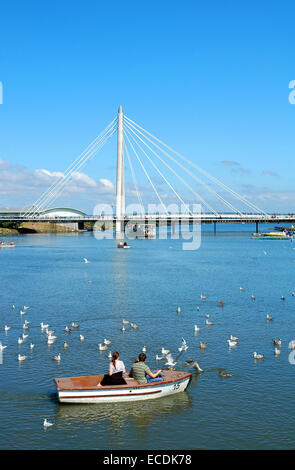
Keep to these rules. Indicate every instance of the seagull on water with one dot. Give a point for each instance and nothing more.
(203, 345)
(85, 260)
(258, 356)
(277, 342)
(2, 347)
(44, 326)
(75, 325)
(231, 343)
(209, 323)
(66, 345)
(7, 328)
(159, 358)
(21, 358)
(125, 322)
(144, 349)
(134, 326)
(102, 348)
(269, 318)
(196, 328)
(32, 346)
(82, 338)
(57, 358)
(47, 424)
(277, 351)
(178, 310)
(107, 341)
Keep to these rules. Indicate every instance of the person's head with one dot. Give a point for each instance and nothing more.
(141, 357)
(115, 357)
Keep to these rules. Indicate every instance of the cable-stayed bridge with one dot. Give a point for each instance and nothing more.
(162, 167)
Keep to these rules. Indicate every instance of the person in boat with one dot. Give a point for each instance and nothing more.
(116, 371)
(142, 373)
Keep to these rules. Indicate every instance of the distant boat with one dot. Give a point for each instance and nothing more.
(88, 389)
(6, 245)
(123, 245)
(276, 235)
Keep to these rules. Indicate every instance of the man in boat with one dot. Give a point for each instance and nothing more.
(142, 373)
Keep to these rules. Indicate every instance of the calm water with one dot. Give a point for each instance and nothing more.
(252, 409)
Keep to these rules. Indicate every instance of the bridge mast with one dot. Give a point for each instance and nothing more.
(120, 190)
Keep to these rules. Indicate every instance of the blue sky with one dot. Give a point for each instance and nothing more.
(209, 78)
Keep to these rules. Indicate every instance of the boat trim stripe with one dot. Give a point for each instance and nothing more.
(130, 394)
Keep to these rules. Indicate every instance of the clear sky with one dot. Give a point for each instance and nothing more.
(209, 78)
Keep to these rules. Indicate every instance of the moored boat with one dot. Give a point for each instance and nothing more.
(87, 389)
(123, 245)
(6, 245)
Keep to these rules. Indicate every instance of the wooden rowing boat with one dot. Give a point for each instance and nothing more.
(87, 389)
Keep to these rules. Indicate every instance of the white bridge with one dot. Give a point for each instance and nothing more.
(171, 169)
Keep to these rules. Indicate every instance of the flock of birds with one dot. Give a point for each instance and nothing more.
(165, 354)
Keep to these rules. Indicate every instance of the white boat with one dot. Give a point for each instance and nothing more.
(87, 389)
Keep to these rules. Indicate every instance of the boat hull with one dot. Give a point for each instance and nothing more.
(117, 394)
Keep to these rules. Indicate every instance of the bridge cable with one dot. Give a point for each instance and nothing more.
(186, 184)
(212, 178)
(147, 175)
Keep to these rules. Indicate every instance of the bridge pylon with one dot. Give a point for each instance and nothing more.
(120, 186)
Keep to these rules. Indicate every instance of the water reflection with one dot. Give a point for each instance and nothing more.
(116, 415)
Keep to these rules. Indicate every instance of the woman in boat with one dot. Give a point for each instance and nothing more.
(142, 373)
(116, 370)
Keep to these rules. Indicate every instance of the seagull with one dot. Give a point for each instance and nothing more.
(49, 332)
(253, 297)
(265, 252)
(20, 340)
(194, 364)
(2, 347)
(203, 345)
(75, 325)
(207, 315)
(268, 317)
(21, 358)
(66, 345)
(51, 337)
(170, 361)
(282, 298)
(202, 297)
(209, 323)
(12, 307)
(25, 336)
(198, 308)
(26, 308)
(25, 326)
(123, 329)
(178, 310)
(7, 328)
(277, 342)
(242, 289)
(110, 355)
(67, 329)
(258, 356)
(234, 338)
(50, 341)
(82, 338)
(165, 351)
(107, 341)
(159, 358)
(184, 346)
(231, 343)
(21, 312)
(134, 326)
(196, 328)
(293, 294)
(44, 326)
(125, 322)
(144, 349)
(57, 358)
(85, 260)
(277, 351)
(32, 346)
(102, 348)
(47, 424)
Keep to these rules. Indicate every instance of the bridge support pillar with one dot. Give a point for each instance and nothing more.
(214, 228)
(257, 227)
(120, 191)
